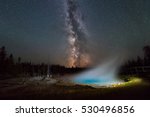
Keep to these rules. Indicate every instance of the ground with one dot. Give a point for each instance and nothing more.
(29, 88)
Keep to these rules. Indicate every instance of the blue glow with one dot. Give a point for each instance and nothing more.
(91, 81)
(102, 75)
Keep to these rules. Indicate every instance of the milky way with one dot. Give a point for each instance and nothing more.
(77, 54)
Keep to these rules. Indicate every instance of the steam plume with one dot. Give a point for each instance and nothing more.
(103, 75)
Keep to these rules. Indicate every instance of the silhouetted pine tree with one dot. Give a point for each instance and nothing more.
(146, 50)
(2, 61)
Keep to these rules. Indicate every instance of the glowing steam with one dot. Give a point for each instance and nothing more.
(77, 54)
(105, 74)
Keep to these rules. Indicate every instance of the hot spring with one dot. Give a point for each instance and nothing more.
(102, 75)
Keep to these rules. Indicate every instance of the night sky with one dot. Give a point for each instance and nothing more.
(35, 29)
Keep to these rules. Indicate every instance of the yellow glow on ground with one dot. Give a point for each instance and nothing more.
(133, 81)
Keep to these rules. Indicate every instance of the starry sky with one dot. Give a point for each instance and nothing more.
(35, 30)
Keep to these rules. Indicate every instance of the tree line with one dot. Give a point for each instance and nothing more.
(14, 67)
(9, 67)
(139, 63)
